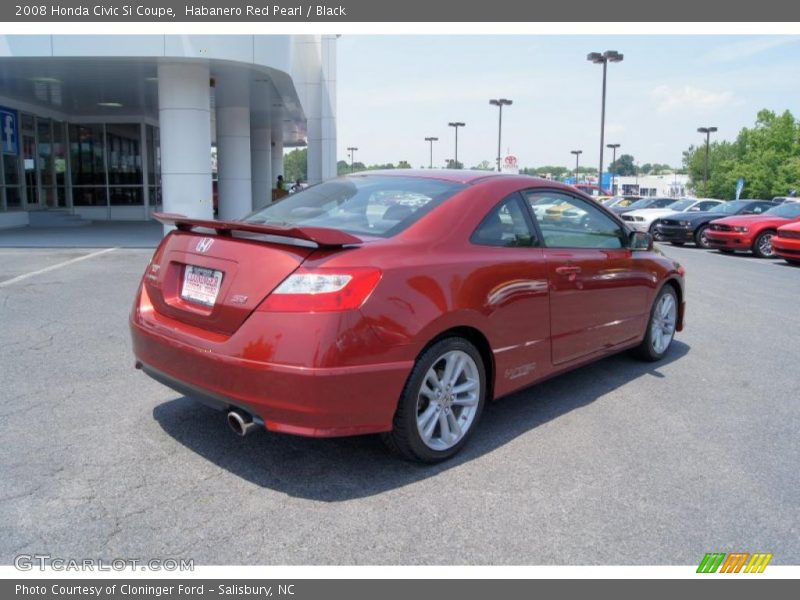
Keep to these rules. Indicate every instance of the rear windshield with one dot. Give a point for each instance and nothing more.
(371, 205)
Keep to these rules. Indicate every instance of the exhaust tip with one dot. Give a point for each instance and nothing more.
(240, 423)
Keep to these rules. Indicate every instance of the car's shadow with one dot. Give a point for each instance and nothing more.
(337, 469)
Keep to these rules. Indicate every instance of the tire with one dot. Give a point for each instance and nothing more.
(418, 412)
(762, 246)
(677, 243)
(700, 237)
(793, 262)
(660, 326)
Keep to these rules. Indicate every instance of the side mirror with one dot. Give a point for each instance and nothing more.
(640, 240)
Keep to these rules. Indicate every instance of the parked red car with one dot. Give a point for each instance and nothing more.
(751, 233)
(786, 243)
(336, 313)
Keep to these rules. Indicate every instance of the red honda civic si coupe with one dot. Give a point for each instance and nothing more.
(397, 302)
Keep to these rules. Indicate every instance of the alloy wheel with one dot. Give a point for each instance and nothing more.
(448, 399)
(765, 245)
(662, 326)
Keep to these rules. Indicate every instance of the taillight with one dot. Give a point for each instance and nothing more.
(322, 290)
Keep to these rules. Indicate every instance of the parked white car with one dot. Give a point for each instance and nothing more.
(645, 219)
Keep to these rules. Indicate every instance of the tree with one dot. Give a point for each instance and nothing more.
(404, 164)
(295, 166)
(624, 165)
(451, 164)
(767, 156)
(484, 165)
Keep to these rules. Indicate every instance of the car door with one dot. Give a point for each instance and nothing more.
(510, 281)
(598, 291)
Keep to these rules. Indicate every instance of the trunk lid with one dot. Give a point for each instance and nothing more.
(213, 274)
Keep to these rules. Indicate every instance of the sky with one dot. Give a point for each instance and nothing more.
(393, 91)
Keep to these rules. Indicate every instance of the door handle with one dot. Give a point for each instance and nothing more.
(568, 270)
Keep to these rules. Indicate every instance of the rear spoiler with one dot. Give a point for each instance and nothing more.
(323, 237)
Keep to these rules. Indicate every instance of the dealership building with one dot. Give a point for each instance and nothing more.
(118, 127)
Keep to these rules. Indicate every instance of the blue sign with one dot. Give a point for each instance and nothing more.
(739, 187)
(9, 131)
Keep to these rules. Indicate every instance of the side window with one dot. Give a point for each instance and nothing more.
(569, 222)
(702, 206)
(505, 226)
(755, 209)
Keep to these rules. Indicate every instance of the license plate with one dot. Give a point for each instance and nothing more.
(201, 285)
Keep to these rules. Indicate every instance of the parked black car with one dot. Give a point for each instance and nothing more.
(681, 228)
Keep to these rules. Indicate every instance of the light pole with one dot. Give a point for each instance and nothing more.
(352, 151)
(708, 131)
(455, 125)
(613, 160)
(431, 140)
(500, 103)
(604, 59)
(577, 154)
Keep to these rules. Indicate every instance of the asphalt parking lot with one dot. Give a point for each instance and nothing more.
(620, 462)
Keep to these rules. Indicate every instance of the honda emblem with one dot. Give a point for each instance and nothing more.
(204, 244)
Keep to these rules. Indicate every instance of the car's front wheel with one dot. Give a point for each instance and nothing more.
(661, 327)
(441, 403)
(700, 237)
(762, 247)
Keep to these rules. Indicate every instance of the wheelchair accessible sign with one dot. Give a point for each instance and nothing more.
(9, 130)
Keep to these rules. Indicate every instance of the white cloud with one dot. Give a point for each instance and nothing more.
(682, 98)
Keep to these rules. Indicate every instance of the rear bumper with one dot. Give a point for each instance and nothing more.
(318, 402)
(728, 240)
(786, 247)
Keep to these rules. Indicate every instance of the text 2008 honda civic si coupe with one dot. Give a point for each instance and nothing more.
(397, 303)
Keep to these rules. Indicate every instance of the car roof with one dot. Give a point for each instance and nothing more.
(466, 176)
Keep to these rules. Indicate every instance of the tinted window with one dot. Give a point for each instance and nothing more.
(568, 222)
(703, 206)
(789, 210)
(505, 225)
(373, 205)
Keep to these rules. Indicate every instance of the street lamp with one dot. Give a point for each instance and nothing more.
(708, 131)
(604, 59)
(431, 140)
(352, 151)
(613, 160)
(455, 125)
(577, 154)
(500, 103)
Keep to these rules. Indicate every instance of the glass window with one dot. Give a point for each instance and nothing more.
(89, 196)
(153, 156)
(704, 206)
(569, 222)
(505, 225)
(126, 196)
(45, 150)
(86, 154)
(13, 198)
(11, 169)
(361, 204)
(124, 154)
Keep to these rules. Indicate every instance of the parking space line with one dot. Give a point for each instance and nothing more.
(54, 267)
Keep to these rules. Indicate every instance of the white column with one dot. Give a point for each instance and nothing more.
(320, 107)
(277, 155)
(184, 115)
(233, 146)
(261, 166)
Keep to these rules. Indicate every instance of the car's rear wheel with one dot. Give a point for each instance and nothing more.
(441, 403)
(700, 238)
(661, 326)
(762, 247)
